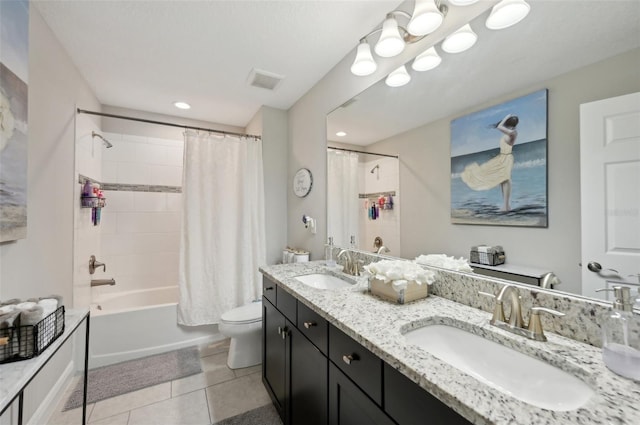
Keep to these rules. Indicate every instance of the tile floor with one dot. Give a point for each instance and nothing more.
(206, 398)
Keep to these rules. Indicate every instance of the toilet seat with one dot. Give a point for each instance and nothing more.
(246, 314)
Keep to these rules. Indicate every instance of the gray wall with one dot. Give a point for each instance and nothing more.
(41, 264)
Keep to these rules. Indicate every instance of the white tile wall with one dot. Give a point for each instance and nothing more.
(141, 230)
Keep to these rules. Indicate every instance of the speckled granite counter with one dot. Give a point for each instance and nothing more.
(379, 326)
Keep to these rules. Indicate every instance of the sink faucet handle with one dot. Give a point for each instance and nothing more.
(498, 310)
(535, 325)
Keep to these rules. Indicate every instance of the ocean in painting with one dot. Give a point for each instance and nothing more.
(528, 189)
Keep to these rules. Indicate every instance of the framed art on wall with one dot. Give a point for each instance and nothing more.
(14, 66)
(499, 164)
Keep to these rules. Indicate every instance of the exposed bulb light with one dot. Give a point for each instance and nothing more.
(182, 105)
(460, 40)
(426, 18)
(390, 43)
(462, 2)
(341, 134)
(398, 78)
(507, 13)
(426, 60)
(363, 64)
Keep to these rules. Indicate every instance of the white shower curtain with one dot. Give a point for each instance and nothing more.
(342, 196)
(223, 230)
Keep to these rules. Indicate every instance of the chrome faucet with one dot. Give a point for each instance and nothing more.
(350, 264)
(514, 323)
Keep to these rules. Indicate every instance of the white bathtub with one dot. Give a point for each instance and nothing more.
(133, 324)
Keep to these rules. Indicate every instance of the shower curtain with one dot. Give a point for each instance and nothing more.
(223, 230)
(342, 197)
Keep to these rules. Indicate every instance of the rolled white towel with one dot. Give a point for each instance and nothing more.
(11, 301)
(7, 309)
(32, 315)
(49, 305)
(9, 320)
(27, 305)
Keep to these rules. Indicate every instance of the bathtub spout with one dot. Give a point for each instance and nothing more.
(100, 282)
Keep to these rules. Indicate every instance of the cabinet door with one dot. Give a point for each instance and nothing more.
(348, 405)
(309, 375)
(274, 346)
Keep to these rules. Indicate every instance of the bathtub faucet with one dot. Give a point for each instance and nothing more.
(100, 282)
(94, 264)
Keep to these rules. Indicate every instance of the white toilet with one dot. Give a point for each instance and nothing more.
(243, 325)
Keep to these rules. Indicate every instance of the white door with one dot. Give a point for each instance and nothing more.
(610, 193)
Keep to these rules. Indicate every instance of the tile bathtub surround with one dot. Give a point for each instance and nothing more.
(379, 326)
(581, 320)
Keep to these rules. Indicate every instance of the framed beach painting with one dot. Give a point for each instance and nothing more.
(14, 66)
(499, 164)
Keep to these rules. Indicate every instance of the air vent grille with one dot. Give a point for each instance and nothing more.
(264, 79)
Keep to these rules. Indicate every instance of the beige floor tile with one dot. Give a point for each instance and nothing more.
(125, 402)
(214, 371)
(214, 348)
(69, 417)
(121, 419)
(188, 409)
(237, 396)
(247, 370)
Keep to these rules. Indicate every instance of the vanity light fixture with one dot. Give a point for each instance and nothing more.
(462, 2)
(341, 134)
(398, 78)
(426, 60)
(460, 40)
(426, 18)
(181, 105)
(364, 63)
(507, 13)
(390, 43)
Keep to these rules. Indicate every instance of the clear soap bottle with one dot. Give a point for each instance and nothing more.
(621, 335)
(328, 253)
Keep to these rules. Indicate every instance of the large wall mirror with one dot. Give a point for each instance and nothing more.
(579, 51)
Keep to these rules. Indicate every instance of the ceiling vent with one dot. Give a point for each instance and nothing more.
(264, 79)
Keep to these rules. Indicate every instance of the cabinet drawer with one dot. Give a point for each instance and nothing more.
(358, 363)
(286, 303)
(313, 326)
(269, 289)
(408, 404)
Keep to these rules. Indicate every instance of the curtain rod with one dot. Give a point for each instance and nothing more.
(186, 127)
(368, 153)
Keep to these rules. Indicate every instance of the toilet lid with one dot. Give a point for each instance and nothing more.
(251, 312)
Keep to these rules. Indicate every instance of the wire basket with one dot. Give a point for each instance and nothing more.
(24, 342)
(488, 255)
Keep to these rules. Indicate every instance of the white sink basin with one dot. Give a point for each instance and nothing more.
(518, 375)
(323, 281)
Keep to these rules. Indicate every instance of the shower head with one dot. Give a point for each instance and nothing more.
(377, 167)
(105, 141)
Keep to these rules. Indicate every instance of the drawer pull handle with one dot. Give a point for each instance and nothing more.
(350, 358)
(269, 288)
(279, 330)
(309, 325)
(285, 331)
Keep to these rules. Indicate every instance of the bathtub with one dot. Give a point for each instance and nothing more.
(132, 324)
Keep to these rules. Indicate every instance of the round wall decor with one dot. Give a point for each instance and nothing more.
(302, 182)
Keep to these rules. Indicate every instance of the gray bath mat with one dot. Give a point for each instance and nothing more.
(110, 381)
(265, 415)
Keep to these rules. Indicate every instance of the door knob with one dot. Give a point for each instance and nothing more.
(597, 268)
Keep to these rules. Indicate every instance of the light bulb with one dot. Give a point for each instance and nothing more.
(426, 18)
(507, 13)
(364, 63)
(460, 40)
(426, 60)
(398, 78)
(390, 43)
(462, 2)
(181, 105)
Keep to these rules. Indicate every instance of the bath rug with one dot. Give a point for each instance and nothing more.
(265, 415)
(121, 378)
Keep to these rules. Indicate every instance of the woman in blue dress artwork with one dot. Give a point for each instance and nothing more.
(496, 171)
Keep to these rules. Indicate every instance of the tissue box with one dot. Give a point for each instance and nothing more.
(412, 292)
(488, 255)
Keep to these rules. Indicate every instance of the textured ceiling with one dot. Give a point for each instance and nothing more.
(556, 37)
(146, 54)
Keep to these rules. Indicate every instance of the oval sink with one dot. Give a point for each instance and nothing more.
(323, 281)
(518, 375)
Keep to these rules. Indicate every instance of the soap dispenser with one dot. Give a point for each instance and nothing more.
(621, 335)
(328, 253)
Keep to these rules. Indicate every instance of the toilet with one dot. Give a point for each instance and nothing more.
(243, 325)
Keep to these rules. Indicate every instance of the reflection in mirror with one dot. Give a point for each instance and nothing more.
(363, 202)
(575, 63)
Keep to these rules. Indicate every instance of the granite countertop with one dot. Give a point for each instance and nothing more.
(379, 326)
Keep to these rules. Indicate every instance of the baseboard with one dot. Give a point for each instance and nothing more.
(53, 398)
